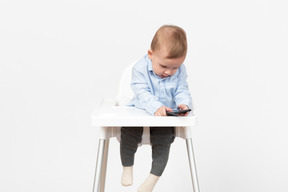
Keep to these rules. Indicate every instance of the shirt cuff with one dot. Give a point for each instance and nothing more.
(185, 102)
(153, 106)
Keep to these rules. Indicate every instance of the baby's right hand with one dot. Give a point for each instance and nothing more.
(162, 111)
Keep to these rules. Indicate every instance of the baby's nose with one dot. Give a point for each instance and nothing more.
(168, 72)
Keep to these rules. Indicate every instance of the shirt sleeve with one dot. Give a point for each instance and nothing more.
(142, 93)
(182, 95)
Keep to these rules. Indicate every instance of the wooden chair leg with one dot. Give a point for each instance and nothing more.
(192, 164)
(101, 164)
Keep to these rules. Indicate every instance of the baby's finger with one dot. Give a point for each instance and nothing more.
(168, 109)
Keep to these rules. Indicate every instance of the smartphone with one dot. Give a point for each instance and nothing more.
(176, 113)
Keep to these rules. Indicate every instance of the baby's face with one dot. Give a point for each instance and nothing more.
(163, 66)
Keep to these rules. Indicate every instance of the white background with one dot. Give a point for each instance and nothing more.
(58, 58)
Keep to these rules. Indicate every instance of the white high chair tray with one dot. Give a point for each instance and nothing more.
(110, 115)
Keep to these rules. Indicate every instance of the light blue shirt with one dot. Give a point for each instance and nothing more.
(151, 91)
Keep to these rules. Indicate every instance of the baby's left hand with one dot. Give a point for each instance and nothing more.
(183, 107)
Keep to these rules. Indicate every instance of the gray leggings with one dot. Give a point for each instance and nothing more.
(161, 139)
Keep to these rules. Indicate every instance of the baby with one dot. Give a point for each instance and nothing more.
(159, 85)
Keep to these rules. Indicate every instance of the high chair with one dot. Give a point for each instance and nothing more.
(112, 114)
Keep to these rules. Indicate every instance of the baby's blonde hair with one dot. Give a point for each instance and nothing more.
(173, 38)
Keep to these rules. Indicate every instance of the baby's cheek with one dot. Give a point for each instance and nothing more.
(160, 72)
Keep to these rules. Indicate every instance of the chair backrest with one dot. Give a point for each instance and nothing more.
(125, 93)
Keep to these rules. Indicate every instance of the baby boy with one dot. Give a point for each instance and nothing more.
(159, 85)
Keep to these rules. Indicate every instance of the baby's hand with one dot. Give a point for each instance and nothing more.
(183, 107)
(162, 111)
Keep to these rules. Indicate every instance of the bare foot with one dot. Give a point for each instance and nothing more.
(148, 184)
(127, 176)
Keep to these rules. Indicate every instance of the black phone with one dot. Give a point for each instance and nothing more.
(176, 113)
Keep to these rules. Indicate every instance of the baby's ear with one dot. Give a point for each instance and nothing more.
(150, 53)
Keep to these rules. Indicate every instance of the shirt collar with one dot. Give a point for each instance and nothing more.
(150, 68)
